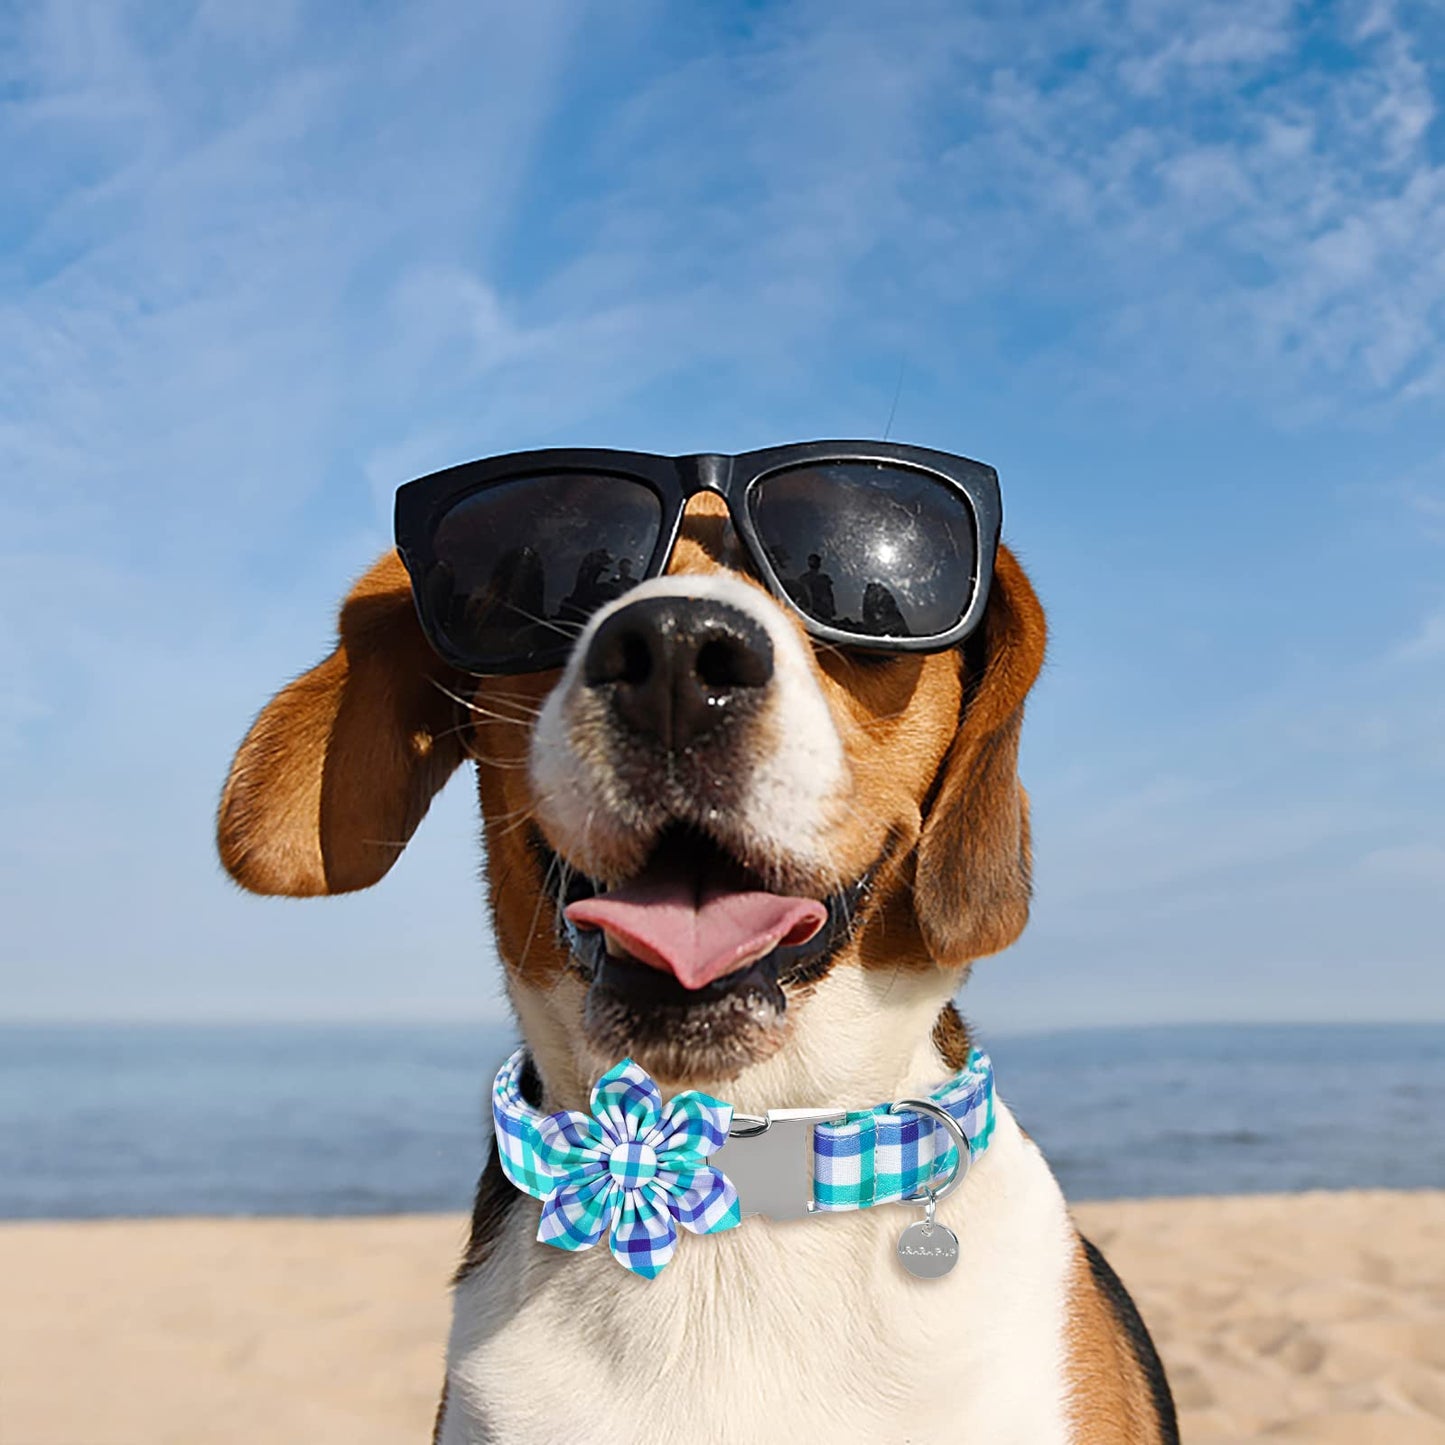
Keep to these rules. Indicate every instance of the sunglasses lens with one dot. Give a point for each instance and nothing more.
(519, 567)
(870, 548)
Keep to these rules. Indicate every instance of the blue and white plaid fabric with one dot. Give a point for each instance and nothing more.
(638, 1168)
(874, 1157)
(635, 1167)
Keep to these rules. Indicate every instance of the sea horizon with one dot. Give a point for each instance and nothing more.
(160, 1118)
(487, 1020)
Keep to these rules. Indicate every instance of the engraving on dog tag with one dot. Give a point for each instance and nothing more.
(928, 1250)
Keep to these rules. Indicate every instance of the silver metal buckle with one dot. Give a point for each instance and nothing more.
(771, 1166)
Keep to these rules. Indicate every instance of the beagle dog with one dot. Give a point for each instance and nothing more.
(745, 732)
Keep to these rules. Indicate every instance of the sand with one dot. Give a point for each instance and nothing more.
(1312, 1317)
(1317, 1317)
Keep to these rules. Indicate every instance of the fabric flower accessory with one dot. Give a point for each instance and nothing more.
(635, 1167)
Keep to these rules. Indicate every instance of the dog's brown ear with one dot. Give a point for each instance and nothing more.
(972, 887)
(342, 764)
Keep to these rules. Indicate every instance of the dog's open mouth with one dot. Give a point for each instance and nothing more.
(697, 914)
(687, 959)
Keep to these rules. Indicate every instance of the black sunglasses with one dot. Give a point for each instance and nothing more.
(873, 545)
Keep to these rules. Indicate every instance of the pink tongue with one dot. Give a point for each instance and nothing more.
(663, 923)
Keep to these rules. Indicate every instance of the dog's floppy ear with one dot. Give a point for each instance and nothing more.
(971, 890)
(342, 764)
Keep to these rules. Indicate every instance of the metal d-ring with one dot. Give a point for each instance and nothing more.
(931, 1197)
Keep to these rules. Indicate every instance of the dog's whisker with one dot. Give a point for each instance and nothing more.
(501, 764)
(532, 929)
(561, 626)
(503, 824)
(491, 715)
(528, 810)
(502, 694)
(516, 707)
(527, 712)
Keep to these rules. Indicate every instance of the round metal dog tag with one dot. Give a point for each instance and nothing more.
(928, 1249)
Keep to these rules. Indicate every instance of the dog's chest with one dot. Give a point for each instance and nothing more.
(806, 1330)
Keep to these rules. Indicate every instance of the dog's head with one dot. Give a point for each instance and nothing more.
(713, 843)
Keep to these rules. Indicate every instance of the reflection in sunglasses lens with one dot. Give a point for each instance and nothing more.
(520, 566)
(868, 547)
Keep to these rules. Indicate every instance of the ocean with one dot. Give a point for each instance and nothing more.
(122, 1121)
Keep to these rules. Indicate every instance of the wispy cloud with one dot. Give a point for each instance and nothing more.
(1248, 216)
(259, 264)
(1427, 644)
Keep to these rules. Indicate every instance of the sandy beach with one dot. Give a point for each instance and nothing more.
(1311, 1317)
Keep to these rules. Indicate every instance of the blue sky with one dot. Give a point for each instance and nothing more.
(1176, 269)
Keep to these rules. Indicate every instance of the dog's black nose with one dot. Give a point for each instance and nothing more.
(677, 666)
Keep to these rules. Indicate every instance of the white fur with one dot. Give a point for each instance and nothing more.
(801, 1331)
(798, 780)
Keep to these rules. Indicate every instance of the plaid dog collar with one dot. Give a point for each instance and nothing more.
(637, 1167)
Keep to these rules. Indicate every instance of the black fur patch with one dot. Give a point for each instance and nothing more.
(1127, 1314)
(494, 1199)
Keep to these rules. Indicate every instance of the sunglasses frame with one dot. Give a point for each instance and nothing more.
(675, 480)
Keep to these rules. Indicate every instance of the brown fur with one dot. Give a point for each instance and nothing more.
(1110, 1399)
(340, 767)
(974, 858)
(952, 1039)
